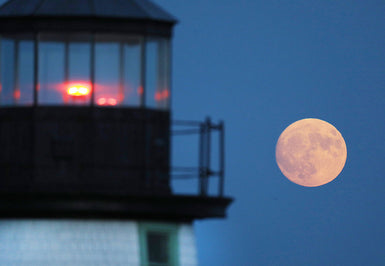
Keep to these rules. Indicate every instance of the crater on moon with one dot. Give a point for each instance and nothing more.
(311, 152)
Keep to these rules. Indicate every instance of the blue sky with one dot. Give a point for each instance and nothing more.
(259, 66)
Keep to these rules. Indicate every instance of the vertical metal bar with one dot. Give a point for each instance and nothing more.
(143, 59)
(1, 70)
(66, 61)
(92, 68)
(159, 74)
(66, 65)
(169, 73)
(34, 126)
(36, 70)
(162, 65)
(201, 158)
(221, 157)
(121, 73)
(208, 153)
(16, 89)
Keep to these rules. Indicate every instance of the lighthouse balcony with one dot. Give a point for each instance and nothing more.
(76, 162)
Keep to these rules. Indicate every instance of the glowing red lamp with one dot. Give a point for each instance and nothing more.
(107, 101)
(78, 90)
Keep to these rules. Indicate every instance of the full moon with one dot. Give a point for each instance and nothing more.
(311, 152)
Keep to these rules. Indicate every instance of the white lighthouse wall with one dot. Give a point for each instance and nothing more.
(67, 242)
(81, 243)
(187, 247)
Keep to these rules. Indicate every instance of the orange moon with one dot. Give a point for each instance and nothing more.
(311, 152)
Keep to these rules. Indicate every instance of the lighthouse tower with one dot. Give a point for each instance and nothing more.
(85, 176)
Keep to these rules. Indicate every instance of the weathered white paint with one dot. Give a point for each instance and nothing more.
(81, 243)
(187, 247)
(67, 242)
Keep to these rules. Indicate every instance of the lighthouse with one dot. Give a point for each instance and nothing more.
(85, 135)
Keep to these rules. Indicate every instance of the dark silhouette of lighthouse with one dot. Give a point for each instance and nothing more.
(85, 176)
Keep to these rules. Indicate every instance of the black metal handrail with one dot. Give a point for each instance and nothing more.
(204, 171)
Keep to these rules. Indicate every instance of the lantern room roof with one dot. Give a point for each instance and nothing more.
(124, 16)
(129, 9)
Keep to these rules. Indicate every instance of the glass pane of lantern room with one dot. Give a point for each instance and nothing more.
(132, 87)
(24, 88)
(157, 73)
(17, 70)
(7, 71)
(78, 85)
(107, 71)
(51, 70)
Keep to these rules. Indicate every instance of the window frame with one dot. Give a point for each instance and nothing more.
(172, 232)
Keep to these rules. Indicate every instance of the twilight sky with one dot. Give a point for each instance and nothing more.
(259, 66)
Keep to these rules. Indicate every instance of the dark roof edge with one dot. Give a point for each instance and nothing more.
(171, 18)
(15, 25)
(151, 11)
(167, 207)
(111, 18)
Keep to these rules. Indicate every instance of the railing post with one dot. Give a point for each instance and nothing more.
(201, 157)
(92, 70)
(204, 130)
(221, 157)
(16, 85)
(36, 69)
(208, 155)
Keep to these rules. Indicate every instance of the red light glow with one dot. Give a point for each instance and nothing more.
(158, 96)
(161, 95)
(140, 90)
(16, 94)
(107, 101)
(78, 90)
(165, 94)
(111, 101)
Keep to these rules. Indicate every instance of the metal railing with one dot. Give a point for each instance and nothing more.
(205, 170)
